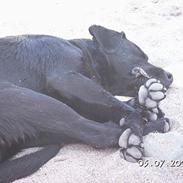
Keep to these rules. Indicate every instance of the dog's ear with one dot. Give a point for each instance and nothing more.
(108, 40)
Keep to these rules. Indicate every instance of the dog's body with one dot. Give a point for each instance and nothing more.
(54, 91)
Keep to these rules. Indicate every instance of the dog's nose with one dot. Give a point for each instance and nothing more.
(169, 78)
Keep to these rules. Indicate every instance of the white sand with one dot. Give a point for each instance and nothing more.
(156, 26)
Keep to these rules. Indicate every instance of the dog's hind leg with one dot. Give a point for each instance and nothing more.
(24, 166)
(26, 116)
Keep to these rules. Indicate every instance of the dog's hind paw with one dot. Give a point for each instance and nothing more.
(131, 146)
(151, 93)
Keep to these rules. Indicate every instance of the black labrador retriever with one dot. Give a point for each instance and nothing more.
(54, 92)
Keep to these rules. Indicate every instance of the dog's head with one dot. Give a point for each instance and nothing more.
(128, 64)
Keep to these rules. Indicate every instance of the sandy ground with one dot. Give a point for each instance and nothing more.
(156, 26)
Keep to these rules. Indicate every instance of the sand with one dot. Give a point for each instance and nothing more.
(156, 26)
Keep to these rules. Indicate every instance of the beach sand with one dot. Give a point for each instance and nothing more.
(156, 26)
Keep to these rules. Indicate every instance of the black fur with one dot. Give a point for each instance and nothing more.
(27, 164)
(55, 92)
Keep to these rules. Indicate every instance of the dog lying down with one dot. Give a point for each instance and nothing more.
(55, 92)
(147, 101)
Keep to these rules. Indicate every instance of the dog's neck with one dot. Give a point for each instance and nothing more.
(95, 63)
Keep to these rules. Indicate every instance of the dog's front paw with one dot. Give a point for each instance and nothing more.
(151, 93)
(131, 146)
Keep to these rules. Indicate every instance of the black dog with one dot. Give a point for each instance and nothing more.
(54, 92)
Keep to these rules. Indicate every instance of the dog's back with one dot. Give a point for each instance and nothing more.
(26, 59)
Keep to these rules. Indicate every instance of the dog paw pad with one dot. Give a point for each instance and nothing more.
(150, 81)
(127, 157)
(134, 140)
(167, 125)
(156, 87)
(150, 103)
(132, 154)
(143, 92)
(123, 140)
(157, 95)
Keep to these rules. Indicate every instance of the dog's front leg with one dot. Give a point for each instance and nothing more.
(86, 97)
(92, 101)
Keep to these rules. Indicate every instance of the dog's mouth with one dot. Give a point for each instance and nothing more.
(140, 76)
(139, 72)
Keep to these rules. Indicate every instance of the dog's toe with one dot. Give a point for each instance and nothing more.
(134, 152)
(167, 125)
(134, 140)
(152, 116)
(149, 103)
(122, 122)
(150, 81)
(131, 154)
(157, 95)
(156, 87)
(142, 94)
(123, 140)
